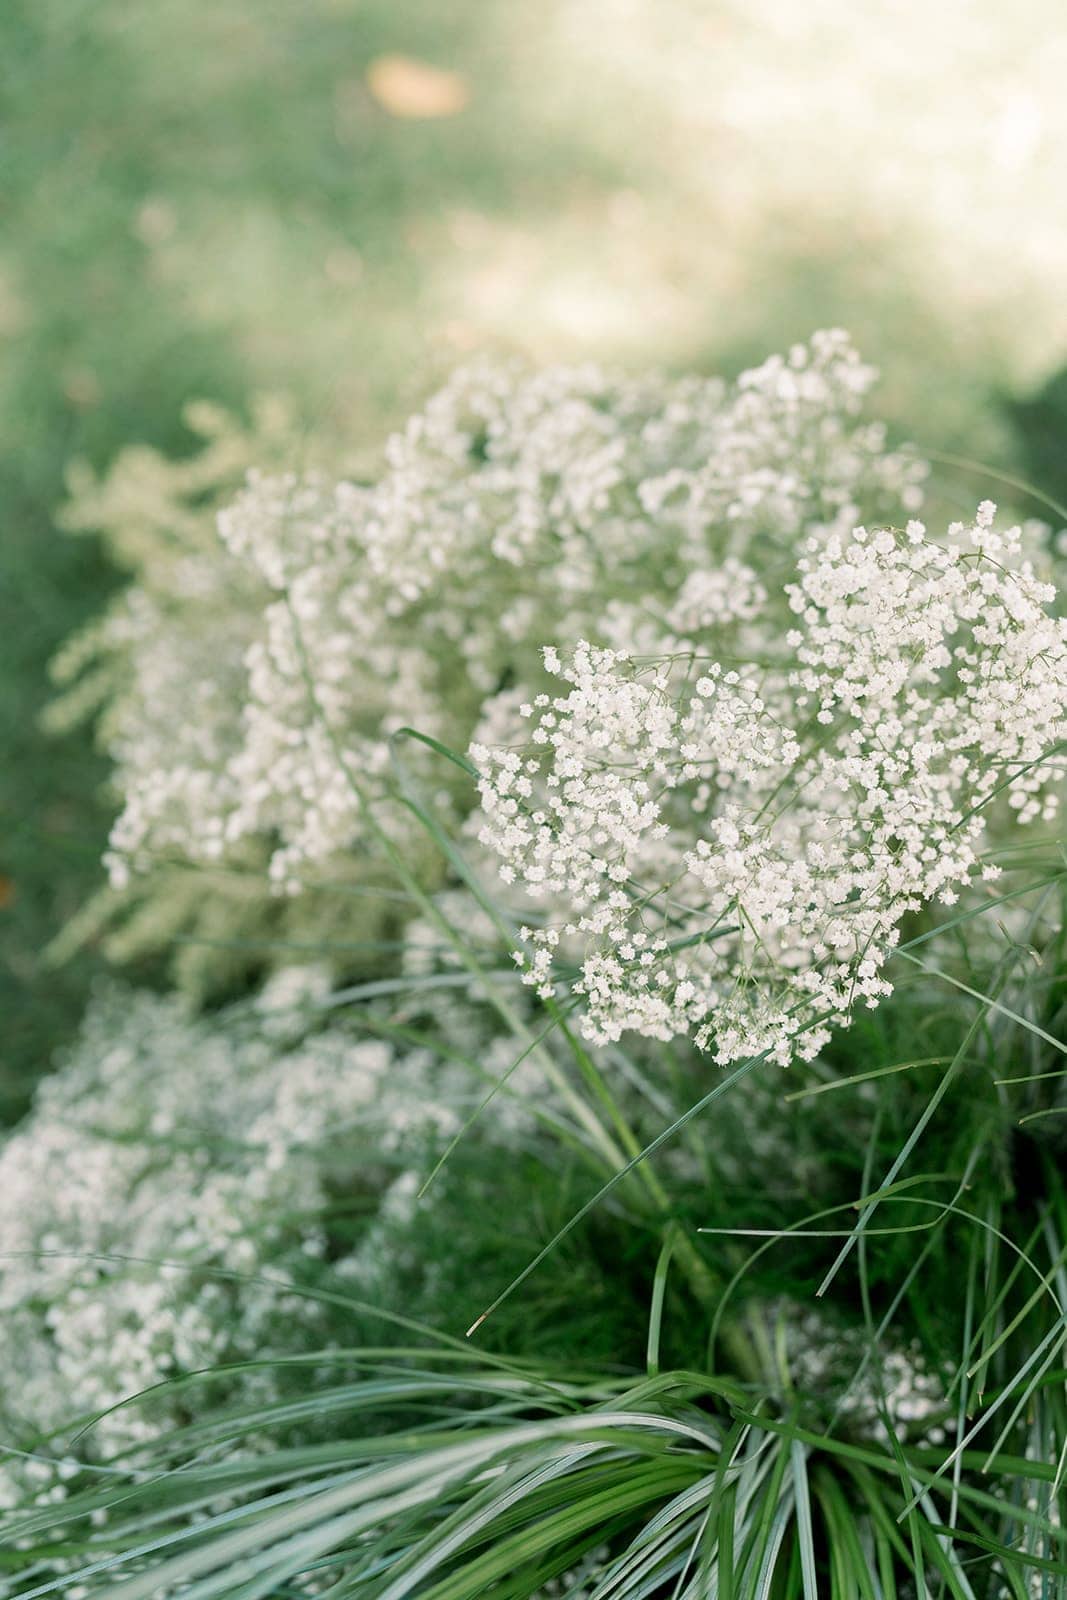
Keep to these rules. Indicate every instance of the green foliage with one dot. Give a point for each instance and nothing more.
(906, 1434)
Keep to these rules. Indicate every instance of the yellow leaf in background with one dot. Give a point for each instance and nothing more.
(408, 88)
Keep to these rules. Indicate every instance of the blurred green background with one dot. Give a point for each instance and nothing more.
(340, 199)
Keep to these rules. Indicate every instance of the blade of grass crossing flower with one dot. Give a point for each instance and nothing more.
(1017, 772)
(486, 1100)
(412, 799)
(437, 747)
(989, 1001)
(979, 910)
(866, 1077)
(946, 458)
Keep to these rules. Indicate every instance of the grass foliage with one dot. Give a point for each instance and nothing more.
(680, 1430)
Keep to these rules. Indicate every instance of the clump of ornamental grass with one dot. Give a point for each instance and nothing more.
(192, 1192)
(905, 1432)
(902, 1431)
(234, 1192)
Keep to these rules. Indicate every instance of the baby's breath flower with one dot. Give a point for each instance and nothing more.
(274, 663)
(836, 1369)
(171, 1191)
(728, 855)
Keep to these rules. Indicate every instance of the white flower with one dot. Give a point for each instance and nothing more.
(246, 682)
(728, 855)
(175, 1174)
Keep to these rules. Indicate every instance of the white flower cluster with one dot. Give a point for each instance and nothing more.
(725, 851)
(174, 1176)
(272, 666)
(839, 1370)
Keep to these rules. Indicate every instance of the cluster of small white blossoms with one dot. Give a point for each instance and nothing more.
(837, 1369)
(252, 693)
(727, 852)
(173, 1178)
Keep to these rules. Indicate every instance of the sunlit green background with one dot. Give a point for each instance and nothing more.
(340, 199)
